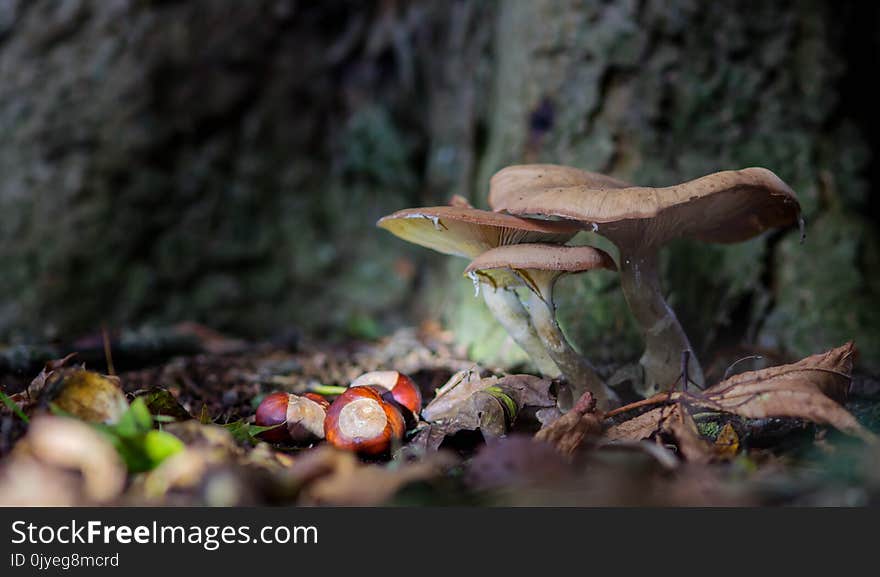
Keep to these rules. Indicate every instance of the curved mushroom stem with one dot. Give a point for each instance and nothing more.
(509, 311)
(577, 370)
(664, 338)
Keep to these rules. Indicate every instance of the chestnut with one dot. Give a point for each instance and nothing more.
(402, 388)
(301, 417)
(361, 420)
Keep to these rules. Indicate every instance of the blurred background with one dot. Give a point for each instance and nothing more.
(225, 162)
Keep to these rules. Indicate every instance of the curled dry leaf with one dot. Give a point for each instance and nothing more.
(487, 405)
(806, 389)
(681, 427)
(525, 390)
(35, 388)
(484, 411)
(670, 423)
(568, 432)
(457, 389)
(330, 476)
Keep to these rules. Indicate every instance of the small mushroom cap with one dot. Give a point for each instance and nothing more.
(515, 183)
(535, 263)
(468, 232)
(723, 207)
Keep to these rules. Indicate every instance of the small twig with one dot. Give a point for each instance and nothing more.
(655, 400)
(685, 376)
(108, 355)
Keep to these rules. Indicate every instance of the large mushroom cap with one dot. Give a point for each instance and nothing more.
(534, 262)
(514, 183)
(724, 207)
(468, 232)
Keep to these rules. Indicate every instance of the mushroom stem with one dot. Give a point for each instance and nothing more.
(579, 373)
(510, 313)
(664, 338)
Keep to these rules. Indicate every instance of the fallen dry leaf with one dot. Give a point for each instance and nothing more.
(457, 389)
(482, 411)
(681, 427)
(727, 442)
(525, 390)
(569, 431)
(331, 476)
(667, 423)
(806, 389)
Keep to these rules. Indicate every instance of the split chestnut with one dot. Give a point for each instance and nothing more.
(361, 420)
(300, 418)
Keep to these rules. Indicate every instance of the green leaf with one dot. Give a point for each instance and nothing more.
(159, 445)
(13, 406)
(244, 432)
(137, 420)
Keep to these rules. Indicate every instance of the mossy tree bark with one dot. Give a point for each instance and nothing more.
(225, 161)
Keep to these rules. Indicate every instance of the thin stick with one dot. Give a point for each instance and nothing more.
(655, 400)
(685, 377)
(108, 355)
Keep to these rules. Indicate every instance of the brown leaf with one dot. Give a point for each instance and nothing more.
(482, 411)
(525, 390)
(805, 389)
(330, 476)
(670, 422)
(456, 390)
(35, 389)
(641, 427)
(569, 431)
(682, 428)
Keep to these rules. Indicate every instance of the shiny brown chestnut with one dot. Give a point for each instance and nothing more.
(361, 420)
(402, 388)
(301, 417)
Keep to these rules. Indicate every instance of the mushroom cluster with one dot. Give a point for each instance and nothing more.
(537, 209)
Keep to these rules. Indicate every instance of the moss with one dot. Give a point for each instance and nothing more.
(709, 429)
(826, 294)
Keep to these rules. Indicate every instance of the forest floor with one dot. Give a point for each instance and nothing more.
(801, 434)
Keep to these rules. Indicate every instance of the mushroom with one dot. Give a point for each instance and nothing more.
(469, 232)
(723, 207)
(515, 182)
(539, 266)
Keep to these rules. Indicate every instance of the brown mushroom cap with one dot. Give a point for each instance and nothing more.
(514, 183)
(536, 264)
(468, 232)
(723, 207)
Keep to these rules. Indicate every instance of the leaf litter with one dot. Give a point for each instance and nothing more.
(185, 435)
